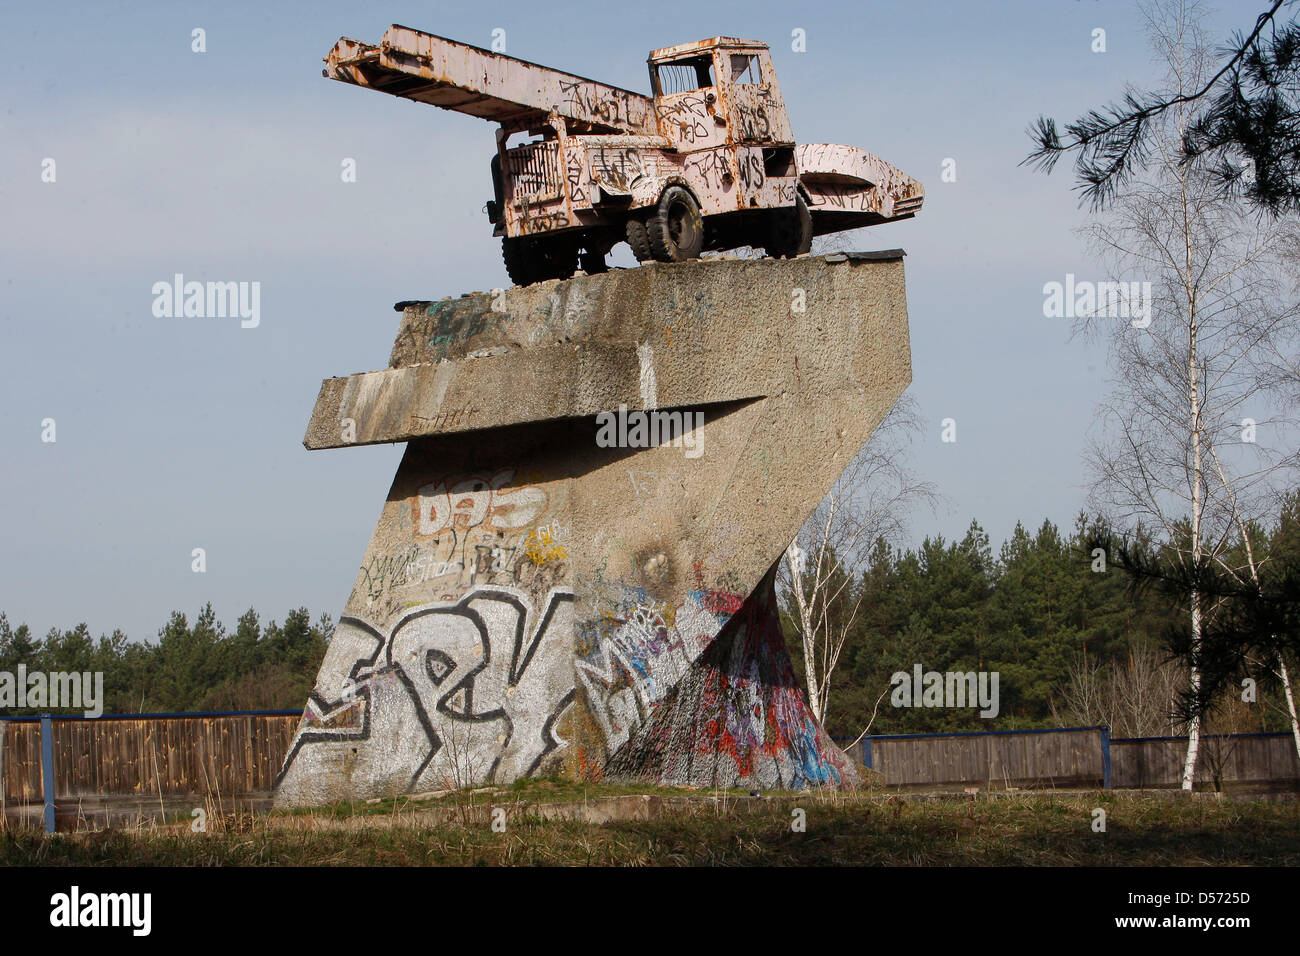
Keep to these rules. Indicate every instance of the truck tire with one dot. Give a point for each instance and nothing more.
(520, 265)
(676, 229)
(638, 240)
(790, 231)
(530, 260)
(561, 259)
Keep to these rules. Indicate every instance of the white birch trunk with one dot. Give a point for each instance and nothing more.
(794, 558)
(1197, 476)
(1290, 700)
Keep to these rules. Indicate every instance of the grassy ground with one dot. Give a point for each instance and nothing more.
(703, 828)
(525, 791)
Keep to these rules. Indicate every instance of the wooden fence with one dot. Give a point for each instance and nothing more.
(1078, 757)
(185, 760)
(154, 756)
(1225, 762)
(1067, 758)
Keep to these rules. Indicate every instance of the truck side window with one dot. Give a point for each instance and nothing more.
(744, 69)
(685, 75)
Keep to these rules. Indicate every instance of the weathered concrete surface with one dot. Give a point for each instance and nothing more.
(531, 602)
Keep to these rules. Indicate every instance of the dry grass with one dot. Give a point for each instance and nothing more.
(703, 828)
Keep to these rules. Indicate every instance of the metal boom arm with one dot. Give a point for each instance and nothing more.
(468, 79)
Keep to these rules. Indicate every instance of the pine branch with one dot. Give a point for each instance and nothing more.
(1256, 115)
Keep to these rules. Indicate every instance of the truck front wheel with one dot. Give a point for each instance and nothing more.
(530, 259)
(519, 264)
(676, 229)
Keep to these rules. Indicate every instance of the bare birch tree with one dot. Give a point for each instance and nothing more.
(1135, 698)
(1181, 449)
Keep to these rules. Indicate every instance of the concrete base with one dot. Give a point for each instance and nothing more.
(534, 601)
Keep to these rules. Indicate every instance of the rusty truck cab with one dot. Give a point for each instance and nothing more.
(718, 103)
(722, 90)
(721, 95)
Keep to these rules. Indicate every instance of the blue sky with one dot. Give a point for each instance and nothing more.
(174, 434)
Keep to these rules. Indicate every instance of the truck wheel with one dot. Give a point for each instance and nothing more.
(638, 240)
(530, 260)
(520, 264)
(676, 230)
(559, 259)
(790, 231)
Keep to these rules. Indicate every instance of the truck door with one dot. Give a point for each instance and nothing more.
(686, 104)
(760, 131)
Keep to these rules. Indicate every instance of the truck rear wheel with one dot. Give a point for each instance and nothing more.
(638, 240)
(676, 229)
(790, 231)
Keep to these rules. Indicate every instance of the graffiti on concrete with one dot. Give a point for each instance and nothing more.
(531, 604)
(474, 692)
(469, 532)
(737, 716)
(630, 657)
(457, 694)
(472, 503)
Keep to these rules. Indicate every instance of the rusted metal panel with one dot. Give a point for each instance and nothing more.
(689, 121)
(534, 169)
(755, 109)
(849, 185)
(703, 46)
(618, 163)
